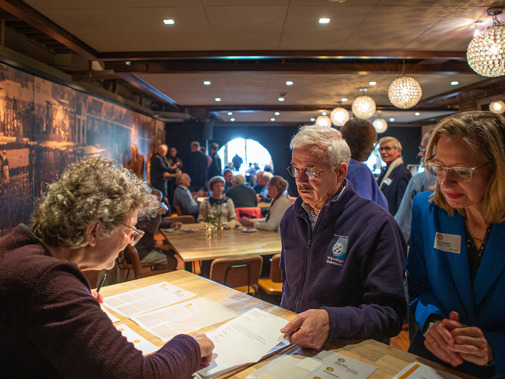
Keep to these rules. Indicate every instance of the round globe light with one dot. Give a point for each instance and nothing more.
(404, 92)
(380, 125)
(486, 52)
(363, 107)
(323, 121)
(339, 116)
(497, 107)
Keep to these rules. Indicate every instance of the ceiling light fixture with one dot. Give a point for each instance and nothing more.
(272, 119)
(323, 121)
(289, 83)
(217, 99)
(324, 20)
(486, 51)
(207, 83)
(404, 92)
(232, 119)
(363, 106)
(339, 116)
(168, 21)
(497, 107)
(277, 113)
(454, 83)
(230, 113)
(380, 125)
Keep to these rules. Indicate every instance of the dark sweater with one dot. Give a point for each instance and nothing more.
(51, 326)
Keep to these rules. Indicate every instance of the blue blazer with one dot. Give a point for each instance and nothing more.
(439, 281)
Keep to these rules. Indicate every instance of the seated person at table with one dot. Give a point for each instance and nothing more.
(51, 322)
(217, 204)
(148, 253)
(343, 256)
(456, 265)
(183, 197)
(242, 195)
(276, 188)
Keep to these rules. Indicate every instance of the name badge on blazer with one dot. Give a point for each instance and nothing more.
(388, 181)
(450, 243)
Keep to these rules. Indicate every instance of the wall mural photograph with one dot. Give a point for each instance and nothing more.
(44, 126)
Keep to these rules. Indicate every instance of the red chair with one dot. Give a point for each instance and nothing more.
(249, 212)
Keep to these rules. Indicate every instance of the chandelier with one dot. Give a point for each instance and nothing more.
(339, 116)
(486, 51)
(323, 121)
(363, 106)
(404, 92)
(380, 125)
(497, 107)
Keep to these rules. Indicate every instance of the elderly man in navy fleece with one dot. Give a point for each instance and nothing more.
(343, 256)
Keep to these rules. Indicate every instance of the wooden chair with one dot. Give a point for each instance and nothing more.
(273, 284)
(135, 265)
(240, 273)
(177, 210)
(250, 212)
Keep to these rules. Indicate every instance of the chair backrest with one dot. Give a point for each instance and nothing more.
(250, 212)
(275, 269)
(167, 221)
(177, 210)
(134, 258)
(237, 272)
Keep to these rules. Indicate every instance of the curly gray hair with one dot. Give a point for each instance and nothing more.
(94, 189)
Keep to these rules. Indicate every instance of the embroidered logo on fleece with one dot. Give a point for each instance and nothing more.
(339, 251)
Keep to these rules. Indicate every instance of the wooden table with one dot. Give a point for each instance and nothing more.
(388, 360)
(195, 246)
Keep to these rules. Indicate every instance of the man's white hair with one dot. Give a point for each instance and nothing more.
(325, 137)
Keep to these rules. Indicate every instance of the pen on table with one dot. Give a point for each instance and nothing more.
(101, 283)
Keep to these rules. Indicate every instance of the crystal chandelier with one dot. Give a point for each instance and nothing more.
(363, 106)
(497, 107)
(323, 121)
(404, 92)
(486, 51)
(339, 116)
(380, 125)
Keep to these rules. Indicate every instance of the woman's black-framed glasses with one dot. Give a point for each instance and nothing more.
(137, 234)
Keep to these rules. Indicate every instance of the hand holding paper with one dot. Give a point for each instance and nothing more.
(309, 329)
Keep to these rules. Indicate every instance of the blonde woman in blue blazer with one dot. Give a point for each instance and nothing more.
(456, 262)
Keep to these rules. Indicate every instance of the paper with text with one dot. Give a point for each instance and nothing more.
(183, 318)
(146, 299)
(140, 342)
(110, 315)
(324, 365)
(417, 370)
(242, 340)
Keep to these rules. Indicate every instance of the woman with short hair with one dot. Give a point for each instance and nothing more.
(217, 203)
(51, 322)
(456, 262)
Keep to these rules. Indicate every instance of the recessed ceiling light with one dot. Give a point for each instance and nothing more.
(312, 119)
(372, 83)
(232, 119)
(343, 100)
(324, 20)
(230, 113)
(281, 99)
(218, 99)
(207, 83)
(417, 114)
(289, 83)
(392, 119)
(454, 83)
(168, 21)
(323, 113)
(272, 119)
(277, 113)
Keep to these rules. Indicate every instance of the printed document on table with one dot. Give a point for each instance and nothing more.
(325, 365)
(417, 370)
(111, 316)
(242, 340)
(140, 342)
(183, 318)
(146, 299)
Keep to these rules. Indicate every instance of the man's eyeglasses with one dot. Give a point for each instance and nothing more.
(310, 173)
(137, 234)
(460, 173)
(386, 148)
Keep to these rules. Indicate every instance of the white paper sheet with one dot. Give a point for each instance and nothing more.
(146, 299)
(417, 370)
(242, 340)
(183, 318)
(140, 342)
(325, 365)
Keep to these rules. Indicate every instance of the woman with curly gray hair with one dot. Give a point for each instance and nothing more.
(54, 326)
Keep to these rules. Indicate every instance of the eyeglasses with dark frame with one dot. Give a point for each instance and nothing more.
(310, 173)
(460, 173)
(137, 234)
